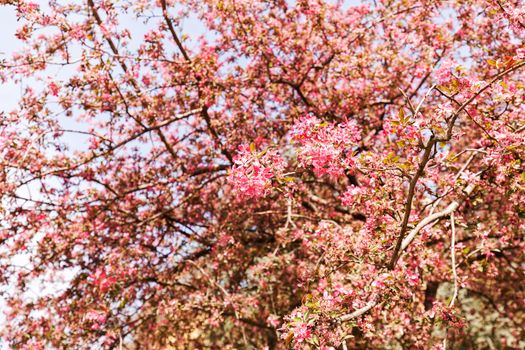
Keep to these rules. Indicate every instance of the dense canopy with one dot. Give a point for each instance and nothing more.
(264, 174)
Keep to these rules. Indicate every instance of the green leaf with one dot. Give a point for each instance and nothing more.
(262, 153)
(315, 340)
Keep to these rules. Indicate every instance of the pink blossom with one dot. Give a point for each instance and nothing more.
(444, 73)
(413, 278)
(301, 332)
(102, 281)
(351, 195)
(325, 147)
(520, 53)
(54, 88)
(273, 320)
(253, 172)
(96, 318)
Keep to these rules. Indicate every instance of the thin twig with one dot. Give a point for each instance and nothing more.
(172, 31)
(453, 258)
(289, 215)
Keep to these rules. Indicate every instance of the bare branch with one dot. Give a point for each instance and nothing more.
(453, 258)
(358, 312)
(431, 218)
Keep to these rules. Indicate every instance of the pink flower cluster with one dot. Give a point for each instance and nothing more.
(253, 172)
(96, 319)
(444, 73)
(102, 281)
(351, 195)
(301, 332)
(326, 147)
(520, 53)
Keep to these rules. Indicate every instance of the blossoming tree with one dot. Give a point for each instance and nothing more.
(305, 174)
